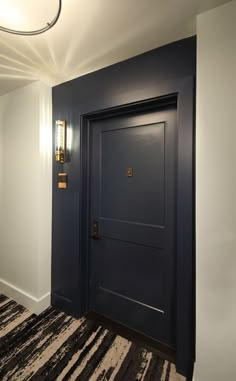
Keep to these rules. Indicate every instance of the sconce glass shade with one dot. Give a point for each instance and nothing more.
(60, 141)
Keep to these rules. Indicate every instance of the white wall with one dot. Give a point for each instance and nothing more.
(25, 189)
(216, 194)
(1, 156)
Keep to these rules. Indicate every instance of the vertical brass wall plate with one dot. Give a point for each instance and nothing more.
(62, 180)
(129, 172)
(60, 141)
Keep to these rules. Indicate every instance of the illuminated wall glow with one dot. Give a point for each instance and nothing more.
(45, 130)
(69, 138)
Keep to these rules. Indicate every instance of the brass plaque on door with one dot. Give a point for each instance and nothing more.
(129, 172)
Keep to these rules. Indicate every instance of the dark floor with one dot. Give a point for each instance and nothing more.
(55, 346)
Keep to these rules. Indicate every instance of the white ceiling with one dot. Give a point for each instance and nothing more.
(89, 35)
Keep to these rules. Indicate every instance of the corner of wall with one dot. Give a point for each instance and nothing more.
(45, 189)
(36, 305)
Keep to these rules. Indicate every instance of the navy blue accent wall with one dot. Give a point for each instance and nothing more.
(129, 81)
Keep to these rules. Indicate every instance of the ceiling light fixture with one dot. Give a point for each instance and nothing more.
(38, 31)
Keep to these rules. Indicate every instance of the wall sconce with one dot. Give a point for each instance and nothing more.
(60, 140)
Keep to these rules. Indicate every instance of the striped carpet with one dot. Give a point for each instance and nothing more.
(55, 346)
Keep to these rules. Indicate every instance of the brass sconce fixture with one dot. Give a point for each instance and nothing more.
(60, 141)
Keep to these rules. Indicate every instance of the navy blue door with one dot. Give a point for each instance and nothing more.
(133, 192)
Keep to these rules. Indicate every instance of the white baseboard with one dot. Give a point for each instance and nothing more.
(33, 304)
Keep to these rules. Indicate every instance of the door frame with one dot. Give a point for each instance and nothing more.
(183, 94)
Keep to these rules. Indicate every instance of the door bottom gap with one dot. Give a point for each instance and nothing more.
(160, 349)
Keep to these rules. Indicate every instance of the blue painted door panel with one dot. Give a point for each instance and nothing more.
(132, 265)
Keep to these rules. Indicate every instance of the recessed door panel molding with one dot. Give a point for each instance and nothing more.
(133, 262)
(145, 187)
(128, 258)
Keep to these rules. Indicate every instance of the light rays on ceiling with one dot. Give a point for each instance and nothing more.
(93, 34)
